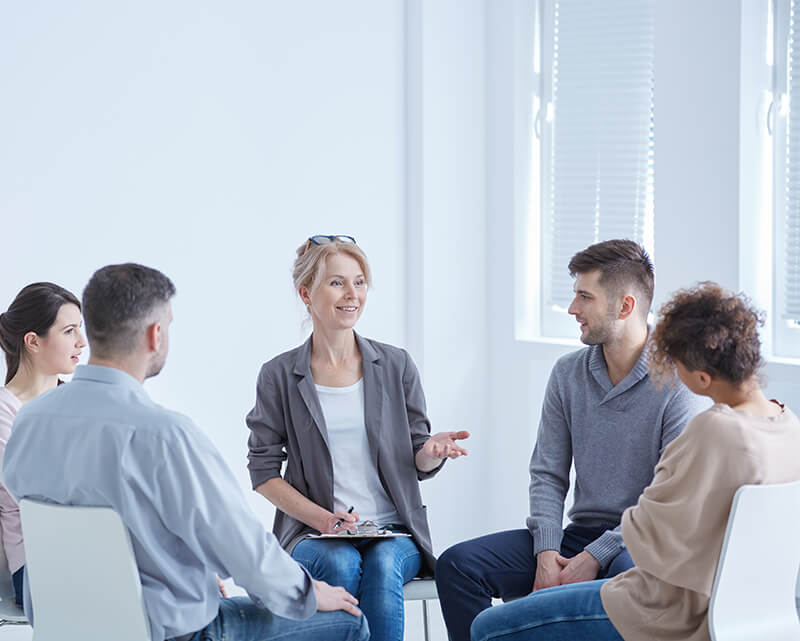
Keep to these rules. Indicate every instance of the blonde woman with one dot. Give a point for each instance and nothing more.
(348, 415)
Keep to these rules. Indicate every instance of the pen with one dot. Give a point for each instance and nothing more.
(340, 521)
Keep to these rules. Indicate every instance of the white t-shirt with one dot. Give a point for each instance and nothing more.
(355, 475)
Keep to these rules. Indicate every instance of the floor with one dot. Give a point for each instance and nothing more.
(414, 628)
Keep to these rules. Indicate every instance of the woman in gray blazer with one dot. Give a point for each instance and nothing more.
(348, 415)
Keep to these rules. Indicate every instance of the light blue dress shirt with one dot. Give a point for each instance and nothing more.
(101, 441)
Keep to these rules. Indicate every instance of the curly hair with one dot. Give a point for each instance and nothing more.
(709, 329)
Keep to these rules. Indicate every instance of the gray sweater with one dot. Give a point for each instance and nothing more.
(614, 434)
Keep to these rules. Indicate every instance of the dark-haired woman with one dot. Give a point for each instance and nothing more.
(708, 337)
(41, 337)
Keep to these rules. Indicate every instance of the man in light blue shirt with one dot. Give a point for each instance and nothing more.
(101, 441)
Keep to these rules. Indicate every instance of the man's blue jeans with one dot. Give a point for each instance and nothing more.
(372, 570)
(500, 565)
(563, 613)
(240, 619)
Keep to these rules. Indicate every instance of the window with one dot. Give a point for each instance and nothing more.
(592, 145)
(785, 323)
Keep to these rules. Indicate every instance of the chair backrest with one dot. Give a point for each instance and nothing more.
(754, 588)
(83, 577)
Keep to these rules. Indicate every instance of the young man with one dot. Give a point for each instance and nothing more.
(101, 441)
(600, 412)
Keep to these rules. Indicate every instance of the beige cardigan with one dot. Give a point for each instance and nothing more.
(675, 532)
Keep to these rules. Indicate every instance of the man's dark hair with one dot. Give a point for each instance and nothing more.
(34, 309)
(118, 302)
(622, 264)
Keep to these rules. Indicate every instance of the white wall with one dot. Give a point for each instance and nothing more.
(207, 140)
(447, 249)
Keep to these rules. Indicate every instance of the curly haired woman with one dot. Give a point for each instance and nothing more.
(708, 337)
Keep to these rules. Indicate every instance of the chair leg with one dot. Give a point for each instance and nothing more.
(425, 620)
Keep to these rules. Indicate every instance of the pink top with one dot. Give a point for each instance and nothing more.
(10, 525)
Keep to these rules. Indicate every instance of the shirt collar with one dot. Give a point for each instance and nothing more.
(599, 368)
(110, 375)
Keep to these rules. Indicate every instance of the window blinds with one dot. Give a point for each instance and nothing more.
(791, 241)
(601, 133)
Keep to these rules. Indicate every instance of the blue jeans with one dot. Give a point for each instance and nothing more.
(563, 613)
(240, 619)
(372, 570)
(16, 579)
(500, 565)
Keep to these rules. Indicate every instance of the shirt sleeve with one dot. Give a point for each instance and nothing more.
(549, 469)
(10, 523)
(198, 499)
(676, 529)
(267, 441)
(416, 410)
(607, 546)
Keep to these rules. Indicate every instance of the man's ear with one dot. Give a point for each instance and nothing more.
(627, 306)
(153, 336)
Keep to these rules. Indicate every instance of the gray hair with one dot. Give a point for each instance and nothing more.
(118, 304)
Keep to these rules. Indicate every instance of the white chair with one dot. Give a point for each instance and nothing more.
(422, 590)
(83, 577)
(10, 614)
(755, 585)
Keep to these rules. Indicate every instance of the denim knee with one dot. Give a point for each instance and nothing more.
(392, 559)
(619, 564)
(360, 630)
(335, 562)
(483, 625)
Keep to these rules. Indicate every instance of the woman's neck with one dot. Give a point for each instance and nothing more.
(335, 358)
(333, 348)
(745, 397)
(27, 383)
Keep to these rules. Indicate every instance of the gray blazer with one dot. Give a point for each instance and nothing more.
(287, 424)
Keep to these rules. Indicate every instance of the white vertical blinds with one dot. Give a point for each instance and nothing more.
(790, 293)
(601, 134)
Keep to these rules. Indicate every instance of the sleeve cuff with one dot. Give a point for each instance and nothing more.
(546, 538)
(604, 549)
(259, 477)
(430, 474)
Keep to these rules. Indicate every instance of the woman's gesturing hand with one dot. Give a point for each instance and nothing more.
(334, 598)
(440, 446)
(443, 445)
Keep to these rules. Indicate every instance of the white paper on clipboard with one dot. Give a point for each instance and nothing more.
(344, 535)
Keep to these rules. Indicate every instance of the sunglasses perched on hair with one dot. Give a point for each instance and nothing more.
(322, 239)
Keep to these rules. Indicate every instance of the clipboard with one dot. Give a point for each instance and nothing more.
(385, 535)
